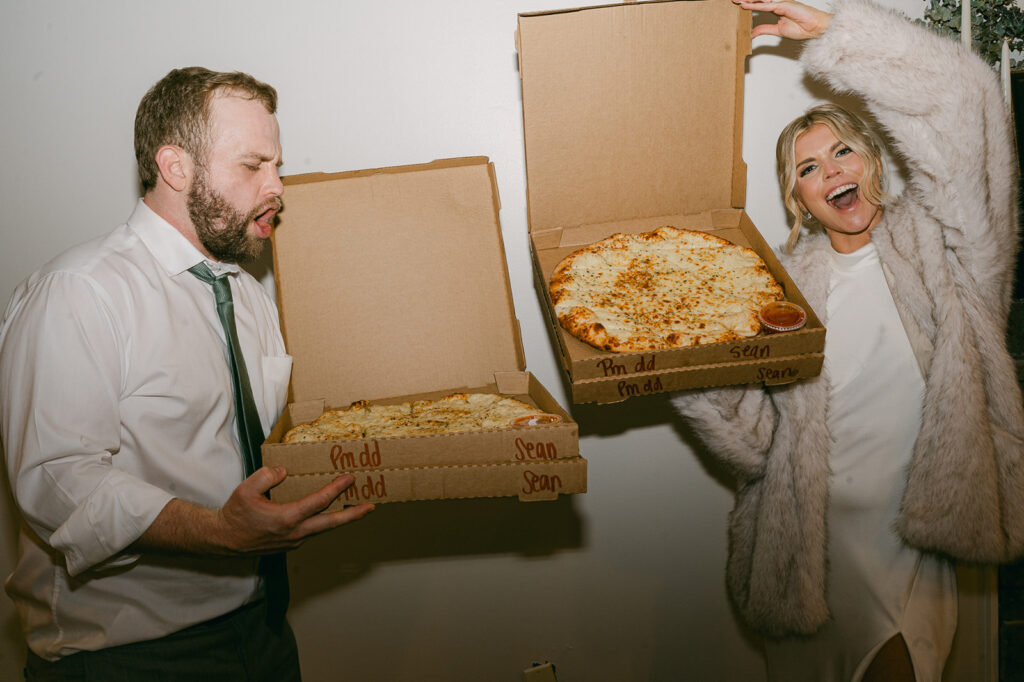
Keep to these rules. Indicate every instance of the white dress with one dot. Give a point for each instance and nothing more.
(878, 586)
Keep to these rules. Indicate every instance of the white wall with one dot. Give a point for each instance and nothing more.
(623, 583)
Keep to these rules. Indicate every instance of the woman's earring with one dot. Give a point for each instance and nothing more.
(807, 215)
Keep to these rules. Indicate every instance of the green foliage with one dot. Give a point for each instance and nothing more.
(992, 22)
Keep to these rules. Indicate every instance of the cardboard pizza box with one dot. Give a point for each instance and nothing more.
(392, 285)
(633, 119)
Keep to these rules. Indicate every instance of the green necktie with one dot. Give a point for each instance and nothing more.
(250, 434)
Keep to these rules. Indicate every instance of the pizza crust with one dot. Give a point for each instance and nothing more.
(668, 288)
(454, 413)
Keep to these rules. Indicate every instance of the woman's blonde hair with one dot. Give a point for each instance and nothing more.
(848, 128)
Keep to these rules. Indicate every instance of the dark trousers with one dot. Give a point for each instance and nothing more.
(236, 647)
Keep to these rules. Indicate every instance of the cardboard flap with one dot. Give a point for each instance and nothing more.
(633, 110)
(512, 383)
(306, 411)
(394, 281)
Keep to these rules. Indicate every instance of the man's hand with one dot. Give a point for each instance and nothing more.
(796, 20)
(249, 523)
(255, 524)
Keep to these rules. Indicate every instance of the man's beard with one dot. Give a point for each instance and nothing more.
(221, 228)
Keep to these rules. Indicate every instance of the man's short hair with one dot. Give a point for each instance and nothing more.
(177, 111)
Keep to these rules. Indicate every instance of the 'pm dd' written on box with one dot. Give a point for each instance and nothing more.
(610, 368)
(371, 455)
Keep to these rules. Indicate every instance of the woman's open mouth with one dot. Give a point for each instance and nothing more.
(842, 197)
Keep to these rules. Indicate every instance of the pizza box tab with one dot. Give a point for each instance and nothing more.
(392, 285)
(633, 119)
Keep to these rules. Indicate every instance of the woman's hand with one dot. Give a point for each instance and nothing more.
(796, 21)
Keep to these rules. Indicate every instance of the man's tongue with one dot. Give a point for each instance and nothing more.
(844, 200)
(263, 225)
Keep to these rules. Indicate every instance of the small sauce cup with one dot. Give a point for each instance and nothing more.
(537, 420)
(781, 316)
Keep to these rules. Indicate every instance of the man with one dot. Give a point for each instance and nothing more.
(118, 413)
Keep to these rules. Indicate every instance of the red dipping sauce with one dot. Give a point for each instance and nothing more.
(781, 316)
(537, 420)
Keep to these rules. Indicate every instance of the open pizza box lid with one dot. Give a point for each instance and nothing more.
(394, 281)
(392, 285)
(633, 119)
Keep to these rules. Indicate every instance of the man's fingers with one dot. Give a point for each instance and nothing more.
(320, 523)
(262, 480)
(287, 525)
(324, 522)
(317, 501)
(310, 507)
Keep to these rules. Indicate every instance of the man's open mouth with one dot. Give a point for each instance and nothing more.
(267, 217)
(265, 221)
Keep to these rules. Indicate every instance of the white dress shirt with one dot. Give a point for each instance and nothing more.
(115, 397)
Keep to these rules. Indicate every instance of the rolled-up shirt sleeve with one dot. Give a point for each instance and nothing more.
(61, 369)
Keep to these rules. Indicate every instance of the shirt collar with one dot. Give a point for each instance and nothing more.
(170, 248)
(863, 256)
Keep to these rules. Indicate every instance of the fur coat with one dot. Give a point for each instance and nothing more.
(947, 248)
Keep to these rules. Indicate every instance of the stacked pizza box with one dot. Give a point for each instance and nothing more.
(393, 287)
(633, 115)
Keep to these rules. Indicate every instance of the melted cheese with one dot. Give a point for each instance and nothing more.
(661, 289)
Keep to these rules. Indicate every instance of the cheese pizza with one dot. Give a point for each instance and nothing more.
(453, 413)
(668, 288)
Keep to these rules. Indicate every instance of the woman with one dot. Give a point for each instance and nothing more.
(855, 487)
